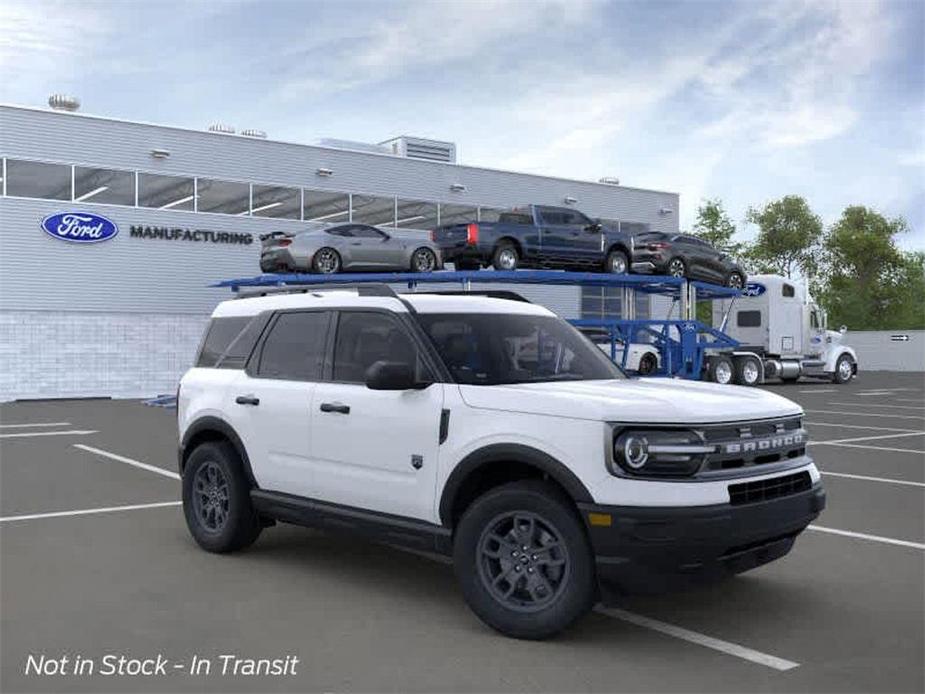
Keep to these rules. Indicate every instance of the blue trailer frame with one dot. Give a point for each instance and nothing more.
(681, 343)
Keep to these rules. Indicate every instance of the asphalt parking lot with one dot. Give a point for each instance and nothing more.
(95, 559)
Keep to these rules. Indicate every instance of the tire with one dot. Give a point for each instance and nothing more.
(747, 371)
(617, 263)
(546, 595)
(722, 370)
(844, 369)
(735, 280)
(218, 521)
(676, 268)
(505, 256)
(648, 363)
(423, 260)
(326, 261)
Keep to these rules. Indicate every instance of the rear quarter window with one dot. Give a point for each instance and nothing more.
(515, 218)
(219, 336)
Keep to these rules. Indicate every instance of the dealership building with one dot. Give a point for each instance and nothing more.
(123, 316)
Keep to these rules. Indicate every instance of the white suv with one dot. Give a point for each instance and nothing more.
(488, 429)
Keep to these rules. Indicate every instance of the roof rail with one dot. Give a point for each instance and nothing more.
(490, 293)
(361, 290)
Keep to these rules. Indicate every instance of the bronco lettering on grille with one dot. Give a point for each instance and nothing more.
(768, 444)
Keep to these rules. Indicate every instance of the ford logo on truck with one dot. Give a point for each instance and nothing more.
(79, 227)
(753, 289)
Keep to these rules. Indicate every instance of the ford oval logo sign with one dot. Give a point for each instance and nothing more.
(79, 227)
(753, 289)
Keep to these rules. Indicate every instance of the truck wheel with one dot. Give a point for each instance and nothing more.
(748, 371)
(216, 499)
(721, 370)
(844, 369)
(647, 364)
(523, 560)
(617, 263)
(505, 256)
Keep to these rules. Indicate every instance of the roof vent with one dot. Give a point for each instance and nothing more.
(221, 128)
(419, 148)
(64, 102)
(353, 145)
(609, 180)
(250, 132)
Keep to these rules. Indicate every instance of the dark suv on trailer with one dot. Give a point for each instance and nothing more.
(680, 255)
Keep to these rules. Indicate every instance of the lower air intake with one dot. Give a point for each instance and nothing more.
(772, 488)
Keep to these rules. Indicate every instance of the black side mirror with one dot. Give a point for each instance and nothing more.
(392, 375)
(594, 227)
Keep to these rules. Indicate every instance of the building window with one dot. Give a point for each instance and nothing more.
(104, 186)
(166, 192)
(368, 209)
(458, 214)
(606, 303)
(35, 179)
(416, 215)
(276, 201)
(223, 197)
(327, 207)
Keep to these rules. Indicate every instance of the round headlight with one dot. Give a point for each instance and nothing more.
(635, 451)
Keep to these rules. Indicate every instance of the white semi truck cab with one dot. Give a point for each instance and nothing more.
(782, 333)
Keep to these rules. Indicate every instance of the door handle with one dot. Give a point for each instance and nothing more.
(335, 407)
(247, 400)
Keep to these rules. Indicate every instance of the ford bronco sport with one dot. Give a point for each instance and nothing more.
(490, 430)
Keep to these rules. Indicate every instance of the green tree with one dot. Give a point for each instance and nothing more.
(788, 237)
(715, 227)
(867, 282)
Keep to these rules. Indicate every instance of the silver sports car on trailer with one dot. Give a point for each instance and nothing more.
(348, 247)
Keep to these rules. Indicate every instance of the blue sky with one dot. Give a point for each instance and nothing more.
(741, 101)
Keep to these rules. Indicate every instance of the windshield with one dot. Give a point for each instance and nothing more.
(493, 349)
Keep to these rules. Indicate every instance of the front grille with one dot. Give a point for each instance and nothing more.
(772, 488)
(747, 444)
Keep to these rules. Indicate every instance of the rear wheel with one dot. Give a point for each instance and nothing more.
(721, 370)
(505, 257)
(326, 261)
(423, 260)
(216, 499)
(735, 280)
(677, 267)
(747, 371)
(617, 263)
(523, 560)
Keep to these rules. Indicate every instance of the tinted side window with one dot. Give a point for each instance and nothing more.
(748, 319)
(235, 357)
(365, 338)
(221, 332)
(340, 231)
(294, 348)
(515, 218)
(788, 290)
(366, 232)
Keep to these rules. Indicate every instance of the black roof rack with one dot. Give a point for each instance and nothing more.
(491, 293)
(361, 290)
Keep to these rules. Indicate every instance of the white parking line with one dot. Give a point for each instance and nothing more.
(859, 438)
(909, 399)
(22, 435)
(866, 414)
(860, 426)
(876, 404)
(35, 424)
(872, 479)
(726, 647)
(820, 390)
(87, 511)
(865, 536)
(129, 461)
(878, 448)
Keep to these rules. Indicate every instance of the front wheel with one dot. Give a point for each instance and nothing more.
(617, 263)
(844, 369)
(735, 280)
(423, 260)
(523, 560)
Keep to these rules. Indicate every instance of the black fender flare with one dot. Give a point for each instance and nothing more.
(509, 452)
(219, 426)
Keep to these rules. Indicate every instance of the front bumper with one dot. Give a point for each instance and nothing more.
(654, 549)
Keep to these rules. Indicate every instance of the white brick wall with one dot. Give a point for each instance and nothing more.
(57, 354)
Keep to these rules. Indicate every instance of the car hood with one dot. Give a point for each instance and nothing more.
(642, 400)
